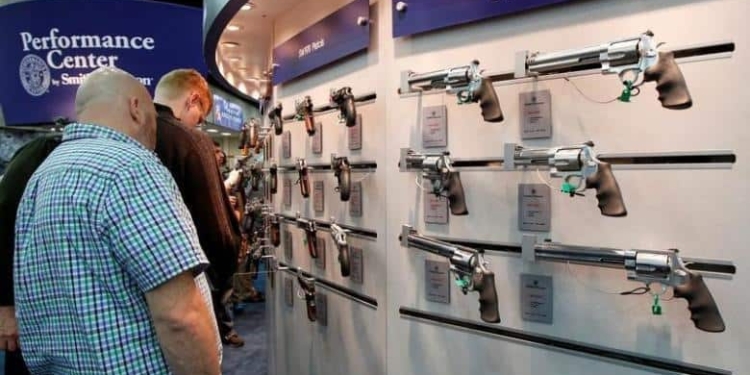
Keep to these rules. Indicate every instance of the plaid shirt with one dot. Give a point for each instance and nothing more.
(100, 224)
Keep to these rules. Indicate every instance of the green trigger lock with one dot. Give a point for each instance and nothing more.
(462, 282)
(568, 188)
(626, 92)
(656, 308)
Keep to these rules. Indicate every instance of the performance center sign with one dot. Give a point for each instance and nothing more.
(49, 47)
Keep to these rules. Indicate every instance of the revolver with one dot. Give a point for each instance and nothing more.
(468, 84)
(338, 235)
(304, 110)
(580, 170)
(308, 287)
(273, 177)
(249, 137)
(276, 120)
(274, 230)
(445, 181)
(343, 172)
(344, 100)
(304, 178)
(311, 230)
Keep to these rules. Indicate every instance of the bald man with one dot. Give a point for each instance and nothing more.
(106, 255)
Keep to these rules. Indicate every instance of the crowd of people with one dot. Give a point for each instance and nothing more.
(119, 240)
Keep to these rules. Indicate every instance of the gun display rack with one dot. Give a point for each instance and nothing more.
(708, 267)
(691, 53)
(326, 226)
(707, 159)
(330, 107)
(621, 357)
(338, 289)
(356, 166)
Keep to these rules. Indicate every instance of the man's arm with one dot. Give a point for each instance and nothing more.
(184, 326)
(154, 241)
(23, 164)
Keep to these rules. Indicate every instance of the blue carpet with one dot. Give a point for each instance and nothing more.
(2, 363)
(251, 324)
(251, 359)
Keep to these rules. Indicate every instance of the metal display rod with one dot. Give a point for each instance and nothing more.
(341, 167)
(628, 58)
(332, 106)
(578, 166)
(468, 265)
(326, 226)
(338, 289)
(665, 267)
(621, 357)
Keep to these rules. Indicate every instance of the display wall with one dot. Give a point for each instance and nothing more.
(701, 211)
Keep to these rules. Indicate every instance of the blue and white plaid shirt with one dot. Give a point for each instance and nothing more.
(100, 224)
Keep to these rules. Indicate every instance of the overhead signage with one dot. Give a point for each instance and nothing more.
(46, 57)
(228, 114)
(418, 16)
(334, 37)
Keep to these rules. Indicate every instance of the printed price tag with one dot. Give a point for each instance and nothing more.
(288, 249)
(286, 145)
(271, 266)
(287, 192)
(357, 261)
(355, 135)
(289, 291)
(317, 142)
(435, 126)
(534, 208)
(320, 261)
(321, 308)
(318, 198)
(536, 114)
(536, 298)
(355, 200)
(435, 209)
(437, 281)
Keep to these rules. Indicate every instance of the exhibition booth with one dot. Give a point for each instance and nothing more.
(459, 187)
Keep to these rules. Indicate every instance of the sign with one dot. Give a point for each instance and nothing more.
(288, 249)
(536, 298)
(435, 126)
(49, 47)
(317, 139)
(419, 16)
(332, 38)
(435, 209)
(355, 134)
(437, 281)
(536, 114)
(355, 200)
(357, 262)
(320, 261)
(318, 197)
(321, 308)
(534, 208)
(228, 114)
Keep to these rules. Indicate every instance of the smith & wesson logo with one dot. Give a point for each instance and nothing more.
(35, 72)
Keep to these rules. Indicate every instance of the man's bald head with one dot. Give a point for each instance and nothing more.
(113, 98)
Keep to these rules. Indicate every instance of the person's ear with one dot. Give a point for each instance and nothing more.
(136, 112)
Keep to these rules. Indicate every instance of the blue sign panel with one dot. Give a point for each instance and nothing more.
(419, 16)
(48, 48)
(334, 37)
(228, 114)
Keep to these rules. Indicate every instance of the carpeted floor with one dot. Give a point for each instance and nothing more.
(251, 359)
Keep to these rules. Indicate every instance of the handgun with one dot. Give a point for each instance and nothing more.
(343, 172)
(304, 109)
(344, 100)
(338, 235)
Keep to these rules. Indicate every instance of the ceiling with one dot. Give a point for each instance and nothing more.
(244, 50)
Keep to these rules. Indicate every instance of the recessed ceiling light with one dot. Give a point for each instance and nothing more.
(233, 27)
(248, 6)
(235, 58)
(230, 44)
(226, 134)
(212, 131)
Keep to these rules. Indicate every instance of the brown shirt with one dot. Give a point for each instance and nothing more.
(189, 156)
